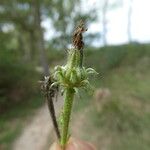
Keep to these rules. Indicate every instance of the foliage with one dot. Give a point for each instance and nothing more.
(123, 122)
(113, 56)
(18, 95)
(17, 80)
(24, 18)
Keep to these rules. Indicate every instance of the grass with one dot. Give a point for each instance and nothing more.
(12, 122)
(123, 122)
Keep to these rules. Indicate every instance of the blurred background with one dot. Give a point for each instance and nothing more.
(34, 37)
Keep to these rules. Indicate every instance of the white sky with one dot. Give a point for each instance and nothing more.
(117, 21)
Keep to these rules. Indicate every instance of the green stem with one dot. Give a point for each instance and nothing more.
(69, 95)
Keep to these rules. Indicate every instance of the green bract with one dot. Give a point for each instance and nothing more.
(72, 75)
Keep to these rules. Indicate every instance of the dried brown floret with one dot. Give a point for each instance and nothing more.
(77, 39)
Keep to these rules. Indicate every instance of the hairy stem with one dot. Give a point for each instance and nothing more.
(68, 97)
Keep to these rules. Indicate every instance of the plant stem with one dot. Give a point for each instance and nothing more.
(68, 101)
(53, 115)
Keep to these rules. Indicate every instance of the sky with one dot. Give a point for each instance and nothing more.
(117, 21)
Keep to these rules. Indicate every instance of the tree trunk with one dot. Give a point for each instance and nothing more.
(129, 22)
(40, 38)
(104, 21)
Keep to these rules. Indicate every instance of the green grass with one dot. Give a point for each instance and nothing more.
(12, 122)
(124, 121)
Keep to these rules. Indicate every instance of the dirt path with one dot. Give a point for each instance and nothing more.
(36, 133)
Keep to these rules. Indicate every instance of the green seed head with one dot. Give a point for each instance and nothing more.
(72, 74)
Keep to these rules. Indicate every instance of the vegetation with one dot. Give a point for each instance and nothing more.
(18, 96)
(21, 26)
(123, 122)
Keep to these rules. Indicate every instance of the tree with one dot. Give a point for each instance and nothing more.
(67, 14)
(104, 21)
(129, 21)
(106, 6)
(40, 36)
(26, 17)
